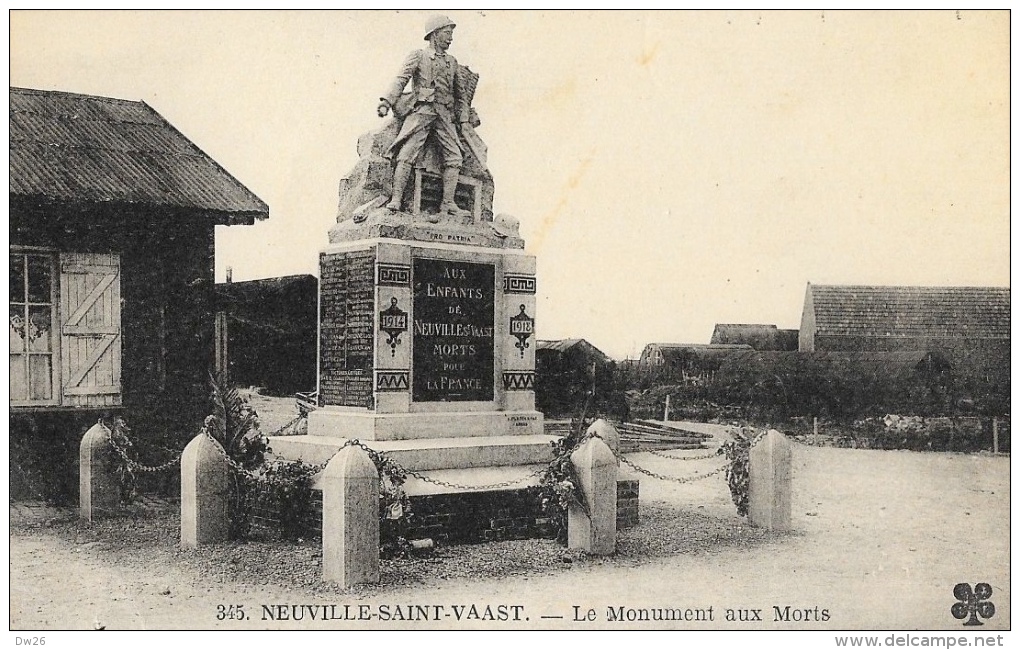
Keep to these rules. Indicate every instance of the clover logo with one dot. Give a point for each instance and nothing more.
(973, 603)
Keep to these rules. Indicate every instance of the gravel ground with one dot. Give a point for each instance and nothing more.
(137, 542)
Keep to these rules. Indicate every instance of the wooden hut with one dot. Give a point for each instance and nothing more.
(112, 218)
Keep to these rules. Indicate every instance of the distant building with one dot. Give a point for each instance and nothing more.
(112, 218)
(272, 327)
(563, 375)
(956, 320)
(903, 318)
(760, 337)
(969, 326)
(690, 363)
(659, 354)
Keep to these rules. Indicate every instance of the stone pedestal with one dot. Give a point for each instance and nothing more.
(594, 531)
(770, 498)
(426, 351)
(98, 494)
(422, 340)
(350, 519)
(205, 493)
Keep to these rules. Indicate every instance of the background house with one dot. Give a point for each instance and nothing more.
(564, 372)
(968, 326)
(112, 218)
(954, 319)
(759, 337)
(675, 354)
(272, 327)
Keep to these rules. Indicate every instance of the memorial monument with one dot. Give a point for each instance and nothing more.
(426, 300)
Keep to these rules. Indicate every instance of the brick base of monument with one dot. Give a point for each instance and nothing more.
(495, 516)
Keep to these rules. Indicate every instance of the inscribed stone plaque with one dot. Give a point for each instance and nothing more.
(454, 307)
(347, 293)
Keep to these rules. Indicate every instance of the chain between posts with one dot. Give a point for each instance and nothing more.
(170, 463)
(132, 463)
(662, 455)
(278, 432)
(379, 458)
(490, 486)
(674, 479)
(689, 479)
(256, 476)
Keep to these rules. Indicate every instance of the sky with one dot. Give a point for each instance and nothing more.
(670, 170)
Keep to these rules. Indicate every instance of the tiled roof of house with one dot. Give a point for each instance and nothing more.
(930, 312)
(73, 147)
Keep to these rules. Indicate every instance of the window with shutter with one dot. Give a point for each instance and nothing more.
(33, 339)
(90, 341)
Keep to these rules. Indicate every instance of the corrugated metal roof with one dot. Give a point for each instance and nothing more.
(930, 312)
(559, 346)
(74, 147)
(563, 346)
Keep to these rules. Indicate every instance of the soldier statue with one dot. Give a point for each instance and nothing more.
(438, 105)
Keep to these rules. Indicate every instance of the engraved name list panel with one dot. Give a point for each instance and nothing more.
(346, 323)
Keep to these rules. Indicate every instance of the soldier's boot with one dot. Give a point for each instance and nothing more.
(449, 206)
(401, 175)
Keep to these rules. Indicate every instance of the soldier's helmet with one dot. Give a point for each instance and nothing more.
(437, 22)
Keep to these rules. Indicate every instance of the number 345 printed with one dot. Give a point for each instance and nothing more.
(230, 613)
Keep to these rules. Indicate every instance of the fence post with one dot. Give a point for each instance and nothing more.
(995, 435)
(594, 531)
(771, 482)
(350, 519)
(665, 414)
(98, 492)
(222, 365)
(205, 493)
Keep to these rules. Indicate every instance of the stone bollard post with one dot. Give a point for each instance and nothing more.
(350, 519)
(98, 493)
(594, 532)
(205, 493)
(607, 432)
(771, 482)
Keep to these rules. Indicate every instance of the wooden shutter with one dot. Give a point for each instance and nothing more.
(90, 329)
